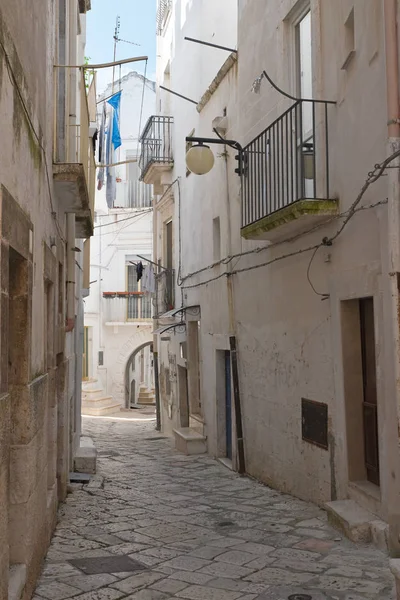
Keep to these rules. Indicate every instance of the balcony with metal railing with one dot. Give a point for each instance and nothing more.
(163, 10)
(165, 293)
(74, 167)
(125, 308)
(156, 158)
(285, 175)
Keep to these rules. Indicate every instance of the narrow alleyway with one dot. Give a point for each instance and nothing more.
(154, 524)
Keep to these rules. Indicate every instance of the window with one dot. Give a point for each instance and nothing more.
(349, 40)
(304, 56)
(138, 305)
(304, 82)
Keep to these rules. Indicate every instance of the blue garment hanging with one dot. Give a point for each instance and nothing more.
(115, 102)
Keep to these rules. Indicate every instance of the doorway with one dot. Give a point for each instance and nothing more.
(228, 405)
(360, 390)
(183, 396)
(370, 399)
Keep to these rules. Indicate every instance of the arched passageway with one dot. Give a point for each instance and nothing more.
(139, 374)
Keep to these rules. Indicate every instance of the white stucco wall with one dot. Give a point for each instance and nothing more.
(289, 341)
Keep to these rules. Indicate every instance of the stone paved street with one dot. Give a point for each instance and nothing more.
(186, 527)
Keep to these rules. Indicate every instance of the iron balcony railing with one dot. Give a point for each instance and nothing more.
(163, 10)
(122, 307)
(156, 143)
(165, 299)
(287, 162)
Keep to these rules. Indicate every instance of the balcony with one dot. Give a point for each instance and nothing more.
(124, 308)
(165, 300)
(285, 180)
(156, 159)
(74, 167)
(163, 11)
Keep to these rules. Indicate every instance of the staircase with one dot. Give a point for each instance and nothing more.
(94, 402)
(192, 439)
(357, 523)
(146, 396)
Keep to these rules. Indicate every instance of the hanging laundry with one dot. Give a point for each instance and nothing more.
(102, 136)
(111, 189)
(94, 140)
(139, 271)
(115, 102)
(149, 281)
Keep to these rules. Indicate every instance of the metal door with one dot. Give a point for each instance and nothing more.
(370, 400)
(228, 405)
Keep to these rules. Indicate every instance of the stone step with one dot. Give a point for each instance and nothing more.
(97, 393)
(356, 523)
(189, 441)
(101, 412)
(98, 402)
(16, 581)
(146, 401)
(85, 460)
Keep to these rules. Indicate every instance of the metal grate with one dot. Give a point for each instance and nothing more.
(107, 564)
(314, 423)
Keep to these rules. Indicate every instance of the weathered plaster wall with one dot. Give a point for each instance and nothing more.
(289, 340)
(35, 406)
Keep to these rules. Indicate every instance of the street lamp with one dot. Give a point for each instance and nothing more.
(200, 158)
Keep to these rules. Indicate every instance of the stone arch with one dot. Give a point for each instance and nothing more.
(144, 336)
(136, 351)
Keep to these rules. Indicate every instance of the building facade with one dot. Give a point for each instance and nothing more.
(118, 314)
(282, 331)
(46, 204)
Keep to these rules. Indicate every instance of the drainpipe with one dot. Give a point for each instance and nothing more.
(240, 461)
(391, 281)
(70, 272)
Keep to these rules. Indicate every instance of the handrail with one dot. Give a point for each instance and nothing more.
(121, 294)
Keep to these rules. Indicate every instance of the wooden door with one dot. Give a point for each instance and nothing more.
(370, 399)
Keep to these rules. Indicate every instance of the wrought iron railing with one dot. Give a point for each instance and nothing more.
(156, 143)
(165, 297)
(163, 10)
(122, 307)
(287, 162)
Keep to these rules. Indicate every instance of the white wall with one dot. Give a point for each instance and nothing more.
(119, 233)
(289, 341)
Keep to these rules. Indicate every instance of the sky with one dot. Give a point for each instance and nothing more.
(138, 24)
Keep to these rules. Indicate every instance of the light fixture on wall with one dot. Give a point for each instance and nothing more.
(308, 160)
(200, 158)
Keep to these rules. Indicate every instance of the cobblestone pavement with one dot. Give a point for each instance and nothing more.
(196, 531)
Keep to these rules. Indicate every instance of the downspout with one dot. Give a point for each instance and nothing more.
(241, 466)
(70, 272)
(391, 274)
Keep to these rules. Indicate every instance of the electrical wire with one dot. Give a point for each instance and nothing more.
(126, 219)
(325, 242)
(324, 296)
(14, 83)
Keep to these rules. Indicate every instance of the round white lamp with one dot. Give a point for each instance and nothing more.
(200, 159)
